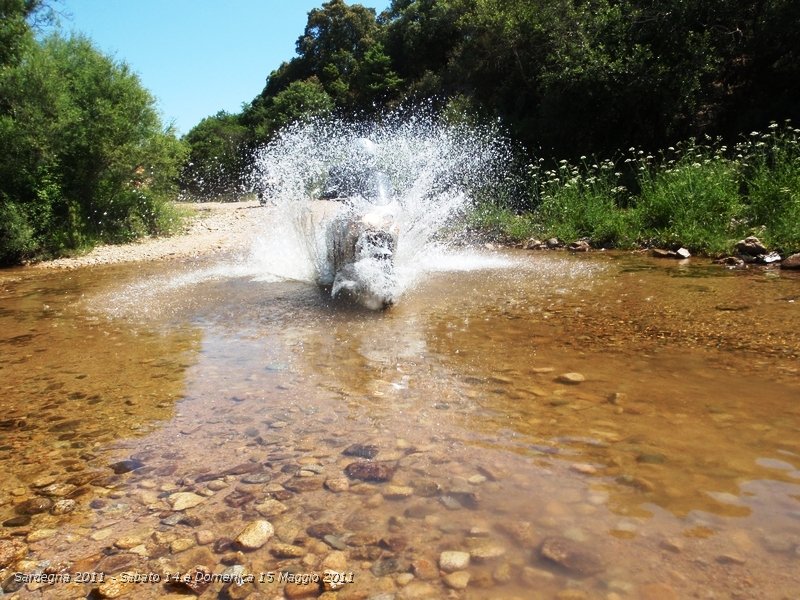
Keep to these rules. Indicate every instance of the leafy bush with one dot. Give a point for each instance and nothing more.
(85, 157)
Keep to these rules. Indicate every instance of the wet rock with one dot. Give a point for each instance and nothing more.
(320, 530)
(114, 587)
(583, 468)
(279, 550)
(196, 580)
(731, 559)
(255, 535)
(534, 244)
(397, 492)
(487, 552)
(371, 471)
(257, 478)
(271, 508)
(427, 489)
(750, 246)
(11, 551)
(570, 378)
(58, 490)
(730, 261)
(183, 500)
(127, 542)
(579, 246)
(181, 545)
(386, 566)
(205, 537)
(126, 466)
(553, 243)
(303, 589)
(34, 506)
(791, 262)
(222, 545)
(683, 253)
(361, 450)
(453, 560)
(571, 556)
(39, 535)
(62, 507)
(672, 545)
(661, 253)
(19, 521)
(301, 484)
(335, 542)
(424, 569)
(337, 484)
(238, 498)
(457, 580)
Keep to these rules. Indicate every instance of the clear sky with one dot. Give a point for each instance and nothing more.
(196, 57)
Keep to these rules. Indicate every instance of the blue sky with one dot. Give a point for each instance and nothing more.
(196, 57)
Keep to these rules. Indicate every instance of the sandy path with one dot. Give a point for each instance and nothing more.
(218, 227)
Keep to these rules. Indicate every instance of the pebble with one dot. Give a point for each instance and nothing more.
(114, 587)
(672, 545)
(205, 537)
(424, 569)
(127, 542)
(570, 555)
(731, 559)
(571, 378)
(216, 485)
(397, 492)
(584, 468)
(255, 535)
(11, 550)
(453, 560)
(256, 478)
(183, 500)
(488, 552)
(34, 506)
(337, 484)
(335, 561)
(280, 550)
(271, 507)
(457, 580)
(181, 545)
(371, 471)
(63, 507)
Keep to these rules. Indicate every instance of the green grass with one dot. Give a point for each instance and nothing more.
(702, 196)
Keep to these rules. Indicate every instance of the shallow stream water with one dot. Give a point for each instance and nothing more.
(604, 426)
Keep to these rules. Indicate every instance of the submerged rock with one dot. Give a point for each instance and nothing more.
(371, 471)
(184, 500)
(255, 535)
(571, 556)
(453, 560)
(361, 450)
(571, 378)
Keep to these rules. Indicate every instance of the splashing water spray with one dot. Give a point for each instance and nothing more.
(362, 208)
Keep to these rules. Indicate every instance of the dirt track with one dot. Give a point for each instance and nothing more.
(218, 227)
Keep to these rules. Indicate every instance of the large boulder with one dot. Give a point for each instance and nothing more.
(750, 246)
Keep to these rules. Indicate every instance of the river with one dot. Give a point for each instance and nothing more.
(604, 426)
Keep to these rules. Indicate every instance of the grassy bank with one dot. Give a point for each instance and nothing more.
(700, 195)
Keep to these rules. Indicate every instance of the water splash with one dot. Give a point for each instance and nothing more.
(411, 174)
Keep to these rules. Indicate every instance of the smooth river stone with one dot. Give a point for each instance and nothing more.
(570, 378)
(255, 535)
(453, 560)
(184, 500)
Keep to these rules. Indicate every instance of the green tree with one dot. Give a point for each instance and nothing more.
(86, 158)
(217, 154)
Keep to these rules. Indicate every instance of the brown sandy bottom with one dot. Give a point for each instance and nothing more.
(533, 441)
